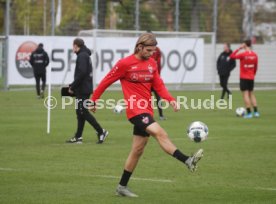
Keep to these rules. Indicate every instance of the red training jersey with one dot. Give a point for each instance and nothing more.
(248, 63)
(137, 77)
(157, 57)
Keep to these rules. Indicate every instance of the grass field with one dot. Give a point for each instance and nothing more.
(239, 164)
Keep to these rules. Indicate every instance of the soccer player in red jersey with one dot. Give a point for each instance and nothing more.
(248, 68)
(138, 74)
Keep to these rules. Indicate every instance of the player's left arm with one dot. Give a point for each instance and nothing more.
(46, 58)
(256, 65)
(159, 86)
(32, 59)
(116, 73)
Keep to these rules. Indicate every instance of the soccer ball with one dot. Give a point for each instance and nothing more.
(197, 131)
(118, 109)
(240, 111)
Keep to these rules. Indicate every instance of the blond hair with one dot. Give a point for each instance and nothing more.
(146, 39)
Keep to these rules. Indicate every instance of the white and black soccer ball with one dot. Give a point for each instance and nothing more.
(118, 109)
(197, 131)
(240, 112)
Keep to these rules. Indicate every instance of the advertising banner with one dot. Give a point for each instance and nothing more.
(182, 58)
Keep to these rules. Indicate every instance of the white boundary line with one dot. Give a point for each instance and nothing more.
(266, 189)
(108, 176)
(138, 179)
(7, 169)
(134, 178)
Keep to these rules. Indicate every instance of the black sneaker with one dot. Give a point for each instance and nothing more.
(102, 137)
(75, 140)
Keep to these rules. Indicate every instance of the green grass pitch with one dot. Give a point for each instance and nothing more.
(239, 163)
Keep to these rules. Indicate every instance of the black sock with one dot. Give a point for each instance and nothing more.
(248, 110)
(125, 178)
(180, 156)
(255, 109)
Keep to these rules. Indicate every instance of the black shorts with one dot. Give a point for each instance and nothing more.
(246, 85)
(141, 122)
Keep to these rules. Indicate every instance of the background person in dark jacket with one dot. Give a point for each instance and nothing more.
(39, 60)
(82, 88)
(224, 66)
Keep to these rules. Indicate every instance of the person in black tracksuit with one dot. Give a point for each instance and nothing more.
(39, 60)
(224, 66)
(82, 87)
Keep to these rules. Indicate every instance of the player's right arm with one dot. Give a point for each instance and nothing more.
(116, 73)
(218, 61)
(256, 65)
(46, 59)
(159, 86)
(236, 55)
(32, 59)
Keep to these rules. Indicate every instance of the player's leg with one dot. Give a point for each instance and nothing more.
(162, 137)
(165, 143)
(138, 144)
(254, 103)
(80, 127)
(244, 87)
(226, 85)
(80, 123)
(246, 99)
(37, 85)
(221, 80)
(43, 78)
(247, 103)
(137, 149)
(101, 133)
(253, 98)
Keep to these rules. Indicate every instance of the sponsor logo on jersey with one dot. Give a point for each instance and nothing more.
(249, 57)
(134, 77)
(150, 68)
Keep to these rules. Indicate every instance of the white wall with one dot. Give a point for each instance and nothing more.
(183, 60)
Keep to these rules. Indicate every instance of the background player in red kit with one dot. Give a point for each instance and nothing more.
(248, 68)
(138, 74)
(157, 57)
